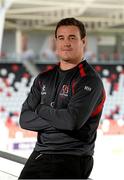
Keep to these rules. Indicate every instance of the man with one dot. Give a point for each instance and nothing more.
(64, 106)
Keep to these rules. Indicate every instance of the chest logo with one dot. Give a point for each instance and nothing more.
(65, 90)
(43, 90)
(87, 88)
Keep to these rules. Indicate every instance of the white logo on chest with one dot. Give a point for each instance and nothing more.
(87, 88)
(64, 90)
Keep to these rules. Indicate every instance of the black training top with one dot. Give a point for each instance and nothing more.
(65, 107)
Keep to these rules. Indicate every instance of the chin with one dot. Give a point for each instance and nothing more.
(67, 59)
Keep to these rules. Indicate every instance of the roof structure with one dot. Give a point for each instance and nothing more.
(102, 15)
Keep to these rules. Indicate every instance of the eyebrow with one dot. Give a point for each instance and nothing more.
(60, 36)
(71, 35)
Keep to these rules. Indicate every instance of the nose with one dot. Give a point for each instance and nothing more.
(67, 43)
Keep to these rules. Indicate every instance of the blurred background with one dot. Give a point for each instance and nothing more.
(27, 47)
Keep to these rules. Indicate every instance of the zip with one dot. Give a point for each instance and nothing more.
(38, 156)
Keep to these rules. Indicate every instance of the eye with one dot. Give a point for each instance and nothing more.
(60, 38)
(72, 38)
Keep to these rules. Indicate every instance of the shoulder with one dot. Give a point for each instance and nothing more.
(88, 75)
(44, 76)
(48, 73)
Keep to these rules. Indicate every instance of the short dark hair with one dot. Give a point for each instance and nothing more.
(71, 22)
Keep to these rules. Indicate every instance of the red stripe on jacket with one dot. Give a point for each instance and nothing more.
(82, 72)
(100, 106)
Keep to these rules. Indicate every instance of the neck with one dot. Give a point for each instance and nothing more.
(64, 65)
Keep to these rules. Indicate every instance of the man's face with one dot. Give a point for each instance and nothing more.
(69, 45)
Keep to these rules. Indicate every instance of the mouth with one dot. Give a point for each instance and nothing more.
(67, 50)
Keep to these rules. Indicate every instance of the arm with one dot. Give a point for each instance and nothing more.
(81, 106)
(29, 119)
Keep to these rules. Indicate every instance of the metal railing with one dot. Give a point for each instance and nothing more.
(12, 157)
(6, 173)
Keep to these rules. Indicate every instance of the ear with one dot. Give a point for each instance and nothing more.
(84, 41)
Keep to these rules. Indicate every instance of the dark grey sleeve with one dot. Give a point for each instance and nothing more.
(29, 119)
(81, 106)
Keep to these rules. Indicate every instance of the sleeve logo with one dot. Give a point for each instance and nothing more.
(43, 90)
